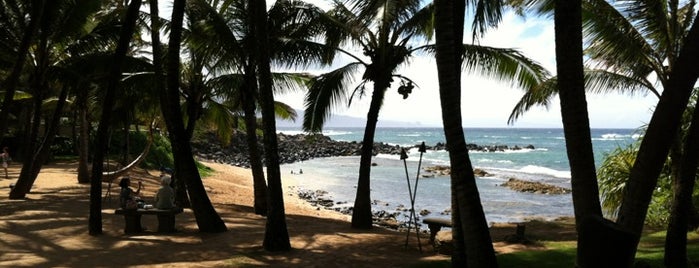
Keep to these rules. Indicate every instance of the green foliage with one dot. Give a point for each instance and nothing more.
(612, 176)
(159, 155)
(62, 146)
(562, 254)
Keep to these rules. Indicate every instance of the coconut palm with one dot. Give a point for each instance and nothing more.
(129, 22)
(234, 73)
(628, 41)
(472, 243)
(14, 19)
(387, 32)
(206, 216)
(58, 41)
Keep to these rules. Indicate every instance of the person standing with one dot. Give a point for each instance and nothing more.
(5, 160)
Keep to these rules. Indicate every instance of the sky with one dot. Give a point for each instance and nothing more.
(488, 103)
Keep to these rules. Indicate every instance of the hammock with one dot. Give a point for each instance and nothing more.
(109, 176)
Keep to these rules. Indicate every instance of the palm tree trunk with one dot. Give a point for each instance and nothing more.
(181, 198)
(676, 238)
(38, 158)
(10, 84)
(659, 137)
(258, 173)
(597, 237)
(101, 143)
(40, 88)
(206, 216)
(361, 213)
(84, 144)
(276, 232)
(472, 243)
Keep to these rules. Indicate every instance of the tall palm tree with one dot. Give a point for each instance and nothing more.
(629, 41)
(60, 28)
(472, 243)
(206, 216)
(576, 128)
(387, 32)
(227, 29)
(276, 232)
(36, 12)
(681, 206)
(129, 22)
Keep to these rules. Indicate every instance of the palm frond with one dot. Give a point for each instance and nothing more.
(651, 19)
(596, 82)
(487, 14)
(603, 82)
(325, 93)
(284, 111)
(502, 64)
(211, 33)
(420, 24)
(341, 25)
(219, 116)
(615, 43)
(294, 53)
(289, 82)
(539, 95)
(227, 86)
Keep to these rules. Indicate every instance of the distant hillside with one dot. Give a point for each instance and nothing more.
(345, 121)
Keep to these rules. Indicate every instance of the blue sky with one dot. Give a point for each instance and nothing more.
(487, 103)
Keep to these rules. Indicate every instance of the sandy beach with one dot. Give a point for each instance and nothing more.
(50, 229)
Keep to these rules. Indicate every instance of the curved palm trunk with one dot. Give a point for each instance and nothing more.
(10, 84)
(32, 149)
(95, 218)
(361, 213)
(258, 173)
(676, 238)
(39, 155)
(472, 243)
(206, 216)
(659, 137)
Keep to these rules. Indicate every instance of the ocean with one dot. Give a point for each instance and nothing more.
(547, 163)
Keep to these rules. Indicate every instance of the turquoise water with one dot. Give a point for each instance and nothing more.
(389, 188)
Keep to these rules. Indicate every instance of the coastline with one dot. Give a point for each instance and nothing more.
(49, 229)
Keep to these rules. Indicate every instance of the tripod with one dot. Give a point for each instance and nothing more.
(412, 191)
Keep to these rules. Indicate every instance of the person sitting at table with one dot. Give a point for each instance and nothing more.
(165, 197)
(128, 197)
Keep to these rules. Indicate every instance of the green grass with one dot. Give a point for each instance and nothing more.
(562, 254)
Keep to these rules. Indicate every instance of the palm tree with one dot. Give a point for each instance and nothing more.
(207, 218)
(227, 28)
(276, 232)
(36, 12)
(386, 32)
(472, 243)
(629, 42)
(576, 126)
(60, 29)
(676, 238)
(129, 22)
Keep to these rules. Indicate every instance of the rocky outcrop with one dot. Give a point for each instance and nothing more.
(292, 148)
(441, 170)
(301, 147)
(534, 187)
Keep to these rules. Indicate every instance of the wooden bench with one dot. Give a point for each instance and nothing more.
(436, 224)
(132, 219)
